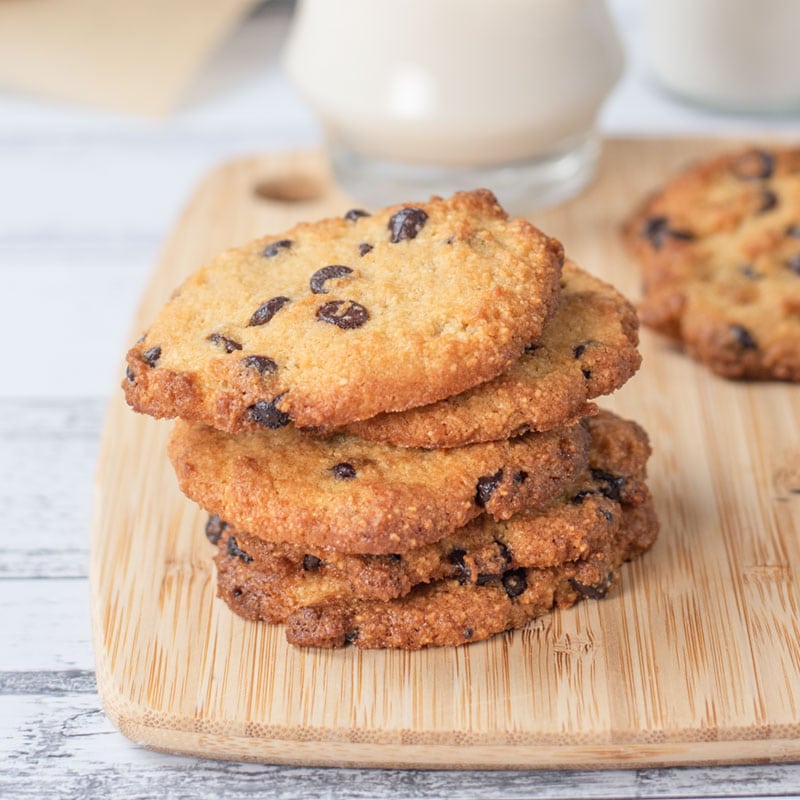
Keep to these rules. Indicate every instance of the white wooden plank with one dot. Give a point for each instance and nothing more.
(45, 625)
(53, 745)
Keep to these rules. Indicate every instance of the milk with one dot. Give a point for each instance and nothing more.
(465, 86)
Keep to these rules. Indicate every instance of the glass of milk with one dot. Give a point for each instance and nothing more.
(734, 55)
(432, 96)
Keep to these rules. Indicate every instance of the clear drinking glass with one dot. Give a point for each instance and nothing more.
(431, 96)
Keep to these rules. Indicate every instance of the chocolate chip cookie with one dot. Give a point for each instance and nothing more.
(342, 319)
(587, 349)
(367, 497)
(719, 248)
(272, 580)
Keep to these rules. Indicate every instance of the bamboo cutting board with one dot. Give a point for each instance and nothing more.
(695, 658)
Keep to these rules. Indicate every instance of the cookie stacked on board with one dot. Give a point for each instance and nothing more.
(389, 419)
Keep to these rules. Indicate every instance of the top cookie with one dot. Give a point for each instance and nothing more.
(587, 349)
(339, 320)
(720, 250)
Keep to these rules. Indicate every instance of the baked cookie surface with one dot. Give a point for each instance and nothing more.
(366, 497)
(587, 349)
(342, 319)
(272, 580)
(719, 247)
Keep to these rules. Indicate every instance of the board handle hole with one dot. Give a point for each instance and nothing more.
(289, 189)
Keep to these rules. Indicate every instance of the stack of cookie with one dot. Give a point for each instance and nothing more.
(389, 419)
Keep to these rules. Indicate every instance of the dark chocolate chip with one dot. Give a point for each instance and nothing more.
(515, 582)
(794, 263)
(344, 471)
(486, 486)
(130, 375)
(237, 592)
(587, 373)
(274, 248)
(578, 350)
(318, 279)
(215, 527)
(608, 515)
(582, 495)
(487, 577)
(406, 223)
(769, 200)
(345, 314)
(266, 311)
(364, 248)
(749, 272)
(658, 230)
(267, 413)
(151, 356)
(520, 476)
(262, 364)
(310, 563)
(754, 165)
(356, 213)
(793, 231)
(351, 636)
(594, 591)
(229, 345)
(743, 338)
(395, 558)
(234, 551)
(456, 558)
(611, 484)
(468, 633)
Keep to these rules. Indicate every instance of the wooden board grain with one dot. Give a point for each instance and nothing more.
(694, 659)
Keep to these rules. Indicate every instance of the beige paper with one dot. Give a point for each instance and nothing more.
(134, 57)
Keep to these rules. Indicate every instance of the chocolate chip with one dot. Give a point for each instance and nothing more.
(229, 345)
(456, 558)
(594, 591)
(344, 471)
(658, 230)
(364, 248)
(582, 495)
(151, 356)
(578, 350)
(486, 486)
(274, 248)
(310, 563)
(515, 582)
(130, 375)
(449, 240)
(587, 373)
(266, 311)
(743, 337)
(611, 484)
(794, 263)
(406, 223)
(754, 165)
(520, 476)
(749, 272)
(769, 200)
(487, 577)
(215, 527)
(234, 551)
(262, 364)
(395, 558)
(318, 279)
(608, 515)
(237, 592)
(351, 636)
(267, 414)
(356, 213)
(345, 314)
(468, 633)
(793, 231)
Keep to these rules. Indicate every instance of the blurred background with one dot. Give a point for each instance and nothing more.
(110, 114)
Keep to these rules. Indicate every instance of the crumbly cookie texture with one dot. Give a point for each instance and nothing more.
(281, 578)
(366, 497)
(719, 247)
(339, 320)
(587, 349)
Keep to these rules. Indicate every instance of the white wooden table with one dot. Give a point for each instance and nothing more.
(85, 202)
